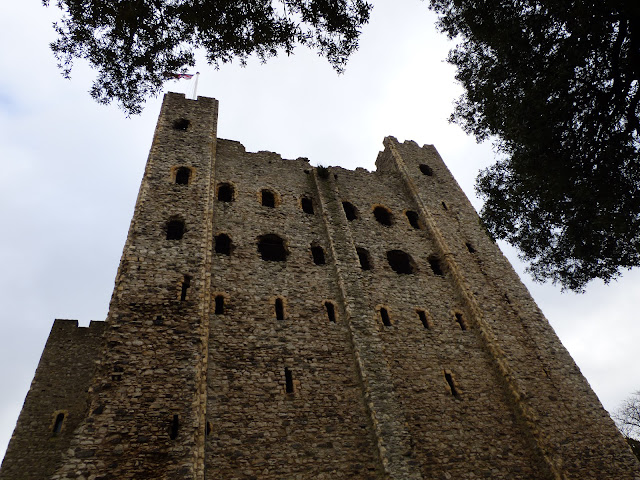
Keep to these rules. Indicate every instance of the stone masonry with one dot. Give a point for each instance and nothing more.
(272, 320)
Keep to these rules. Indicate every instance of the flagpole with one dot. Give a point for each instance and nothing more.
(195, 87)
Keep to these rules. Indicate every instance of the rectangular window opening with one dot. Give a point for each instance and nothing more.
(219, 305)
(279, 309)
(186, 283)
(57, 426)
(288, 378)
(175, 425)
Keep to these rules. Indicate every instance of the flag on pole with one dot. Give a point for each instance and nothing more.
(178, 76)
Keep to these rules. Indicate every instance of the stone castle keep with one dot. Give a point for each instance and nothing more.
(272, 320)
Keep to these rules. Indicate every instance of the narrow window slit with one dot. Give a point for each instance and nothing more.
(470, 248)
(288, 378)
(461, 321)
(186, 283)
(331, 311)
(219, 305)
(279, 308)
(173, 429)
(318, 255)
(444, 205)
(422, 315)
(452, 385)
(57, 425)
(384, 316)
(307, 205)
(208, 428)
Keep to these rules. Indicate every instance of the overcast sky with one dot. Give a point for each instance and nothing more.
(71, 171)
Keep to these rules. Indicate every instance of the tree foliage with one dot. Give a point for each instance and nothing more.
(627, 418)
(555, 84)
(135, 44)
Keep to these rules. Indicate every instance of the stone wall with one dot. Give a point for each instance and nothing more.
(59, 387)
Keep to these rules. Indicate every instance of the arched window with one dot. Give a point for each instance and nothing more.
(182, 175)
(414, 219)
(222, 244)
(225, 192)
(57, 425)
(175, 229)
(307, 205)
(272, 248)
(383, 216)
(350, 211)
(181, 124)
(219, 305)
(426, 170)
(401, 262)
(268, 198)
(364, 257)
(318, 254)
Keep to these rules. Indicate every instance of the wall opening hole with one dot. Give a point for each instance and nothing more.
(181, 124)
(444, 205)
(225, 192)
(365, 259)
(288, 379)
(222, 244)
(268, 198)
(175, 229)
(186, 283)
(350, 211)
(414, 219)
(318, 255)
(57, 425)
(422, 315)
(219, 310)
(470, 248)
(383, 216)
(182, 175)
(173, 429)
(279, 308)
(461, 321)
(331, 311)
(401, 262)
(307, 205)
(384, 316)
(426, 170)
(272, 248)
(452, 384)
(208, 428)
(436, 265)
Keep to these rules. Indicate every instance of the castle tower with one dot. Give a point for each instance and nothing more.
(271, 320)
